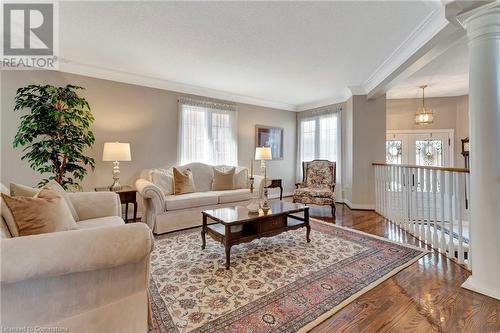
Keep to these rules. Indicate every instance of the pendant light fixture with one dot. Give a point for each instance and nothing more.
(424, 115)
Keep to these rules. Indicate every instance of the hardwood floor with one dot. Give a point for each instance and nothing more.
(424, 297)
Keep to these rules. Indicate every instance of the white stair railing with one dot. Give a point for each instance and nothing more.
(431, 203)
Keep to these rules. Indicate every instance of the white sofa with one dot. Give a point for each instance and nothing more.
(93, 279)
(165, 212)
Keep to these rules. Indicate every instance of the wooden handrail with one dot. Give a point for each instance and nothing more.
(464, 170)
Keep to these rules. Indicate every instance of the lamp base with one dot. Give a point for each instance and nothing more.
(116, 186)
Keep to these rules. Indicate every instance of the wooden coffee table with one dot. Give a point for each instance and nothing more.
(237, 225)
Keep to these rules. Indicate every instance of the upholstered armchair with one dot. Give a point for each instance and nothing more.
(318, 184)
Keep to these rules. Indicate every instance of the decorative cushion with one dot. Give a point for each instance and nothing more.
(45, 212)
(164, 179)
(18, 190)
(8, 218)
(55, 186)
(183, 181)
(223, 180)
(241, 179)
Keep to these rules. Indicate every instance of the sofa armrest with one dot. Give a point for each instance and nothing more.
(154, 200)
(66, 252)
(91, 205)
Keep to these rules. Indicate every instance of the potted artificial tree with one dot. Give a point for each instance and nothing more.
(55, 132)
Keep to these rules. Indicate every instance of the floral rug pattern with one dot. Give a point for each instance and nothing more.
(277, 284)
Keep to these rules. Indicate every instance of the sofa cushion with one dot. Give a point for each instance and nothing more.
(233, 195)
(106, 221)
(190, 200)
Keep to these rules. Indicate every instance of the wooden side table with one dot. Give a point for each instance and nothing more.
(276, 183)
(127, 195)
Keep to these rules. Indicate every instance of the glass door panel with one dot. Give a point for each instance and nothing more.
(430, 149)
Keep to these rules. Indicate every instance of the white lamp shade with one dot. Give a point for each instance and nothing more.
(116, 151)
(263, 153)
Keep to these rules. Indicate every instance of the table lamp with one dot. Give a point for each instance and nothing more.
(264, 154)
(116, 152)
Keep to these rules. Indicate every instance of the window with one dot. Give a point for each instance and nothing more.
(319, 138)
(207, 133)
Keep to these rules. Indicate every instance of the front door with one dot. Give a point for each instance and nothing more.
(420, 147)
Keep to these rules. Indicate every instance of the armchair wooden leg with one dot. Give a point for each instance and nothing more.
(334, 209)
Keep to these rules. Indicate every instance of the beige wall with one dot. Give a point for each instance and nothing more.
(449, 113)
(363, 143)
(145, 117)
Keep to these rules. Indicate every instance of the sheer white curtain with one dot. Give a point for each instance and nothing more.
(207, 133)
(320, 137)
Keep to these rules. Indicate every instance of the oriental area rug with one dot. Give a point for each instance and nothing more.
(276, 284)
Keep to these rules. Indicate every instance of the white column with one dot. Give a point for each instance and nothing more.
(483, 31)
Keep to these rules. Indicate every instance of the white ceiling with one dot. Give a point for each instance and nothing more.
(288, 55)
(447, 75)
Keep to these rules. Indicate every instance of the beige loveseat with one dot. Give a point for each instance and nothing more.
(165, 212)
(92, 279)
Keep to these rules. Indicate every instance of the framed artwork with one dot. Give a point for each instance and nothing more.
(267, 136)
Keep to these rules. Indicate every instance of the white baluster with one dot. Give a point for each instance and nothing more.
(421, 204)
(467, 194)
(435, 243)
(386, 211)
(428, 235)
(451, 245)
(399, 203)
(460, 197)
(391, 199)
(442, 192)
(404, 197)
(414, 211)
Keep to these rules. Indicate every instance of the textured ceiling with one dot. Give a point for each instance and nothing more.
(293, 53)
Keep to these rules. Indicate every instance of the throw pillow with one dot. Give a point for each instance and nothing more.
(56, 187)
(45, 212)
(18, 190)
(241, 178)
(223, 180)
(164, 179)
(183, 181)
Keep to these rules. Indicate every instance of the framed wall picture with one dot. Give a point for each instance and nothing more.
(267, 136)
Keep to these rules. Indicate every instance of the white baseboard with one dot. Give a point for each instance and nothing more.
(471, 285)
(358, 206)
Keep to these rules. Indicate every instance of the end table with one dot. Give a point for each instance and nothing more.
(276, 183)
(127, 195)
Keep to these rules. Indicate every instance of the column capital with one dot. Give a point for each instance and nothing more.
(482, 22)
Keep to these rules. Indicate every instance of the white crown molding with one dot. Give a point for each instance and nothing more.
(340, 98)
(147, 81)
(432, 24)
